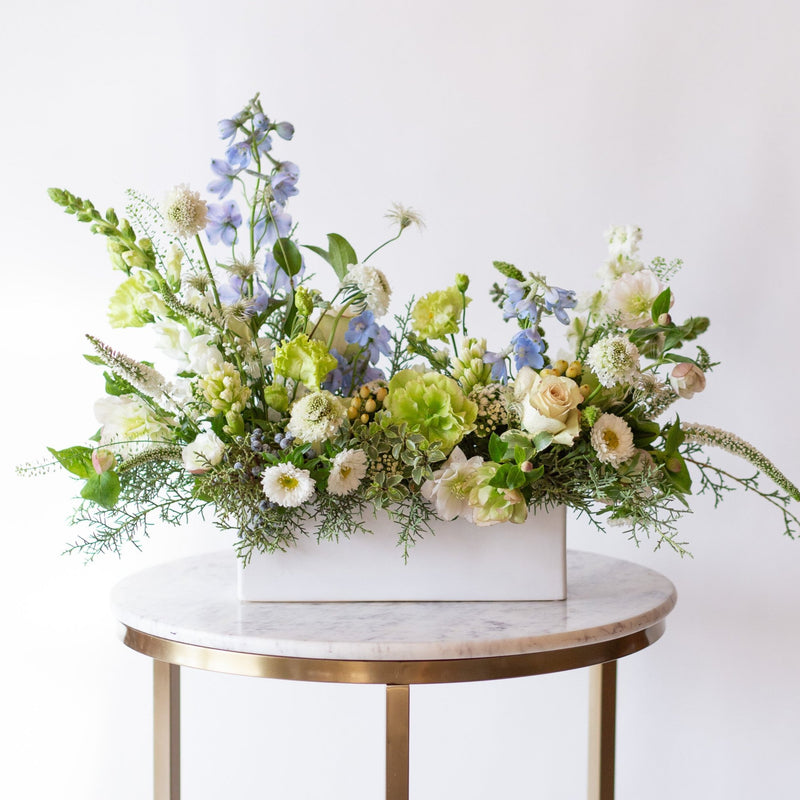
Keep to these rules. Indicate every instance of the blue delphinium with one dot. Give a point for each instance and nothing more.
(528, 348)
(275, 279)
(342, 378)
(499, 364)
(285, 130)
(226, 172)
(365, 332)
(270, 226)
(520, 302)
(223, 220)
(236, 289)
(284, 182)
(557, 300)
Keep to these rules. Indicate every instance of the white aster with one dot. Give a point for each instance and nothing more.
(614, 360)
(185, 212)
(612, 440)
(449, 487)
(205, 451)
(632, 297)
(347, 470)
(316, 417)
(372, 283)
(287, 485)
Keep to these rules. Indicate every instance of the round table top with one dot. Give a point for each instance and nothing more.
(189, 607)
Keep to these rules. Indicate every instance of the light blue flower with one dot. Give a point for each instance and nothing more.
(499, 364)
(271, 226)
(284, 182)
(557, 300)
(527, 349)
(223, 220)
(285, 130)
(518, 304)
(275, 279)
(228, 127)
(236, 289)
(238, 155)
(226, 172)
(365, 332)
(260, 122)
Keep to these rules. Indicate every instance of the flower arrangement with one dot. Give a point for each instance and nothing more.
(287, 413)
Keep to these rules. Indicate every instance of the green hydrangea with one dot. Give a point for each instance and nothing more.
(303, 359)
(437, 315)
(492, 504)
(432, 405)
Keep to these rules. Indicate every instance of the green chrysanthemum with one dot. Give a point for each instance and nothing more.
(303, 359)
(432, 405)
(437, 315)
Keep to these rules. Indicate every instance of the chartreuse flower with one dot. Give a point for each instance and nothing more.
(127, 308)
(303, 359)
(223, 389)
(493, 504)
(432, 405)
(437, 315)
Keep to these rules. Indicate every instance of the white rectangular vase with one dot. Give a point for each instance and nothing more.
(461, 562)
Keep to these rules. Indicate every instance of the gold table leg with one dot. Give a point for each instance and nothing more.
(166, 731)
(397, 730)
(602, 729)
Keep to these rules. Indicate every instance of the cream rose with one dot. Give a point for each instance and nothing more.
(687, 380)
(548, 404)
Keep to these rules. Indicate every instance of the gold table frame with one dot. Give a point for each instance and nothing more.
(398, 676)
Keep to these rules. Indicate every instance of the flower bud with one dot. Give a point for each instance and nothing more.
(574, 369)
(674, 464)
(560, 366)
(462, 282)
(526, 466)
(664, 319)
(276, 397)
(687, 379)
(303, 301)
(103, 460)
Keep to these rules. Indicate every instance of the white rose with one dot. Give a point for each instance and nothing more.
(548, 404)
(204, 452)
(687, 380)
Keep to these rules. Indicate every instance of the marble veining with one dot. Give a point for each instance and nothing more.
(194, 601)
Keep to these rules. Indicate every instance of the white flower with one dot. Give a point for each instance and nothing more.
(287, 485)
(612, 439)
(632, 297)
(614, 360)
(316, 417)
(449, 487)
(185, 213)
(204, 452)
(687, 380)
(616, 267)
(193, 353)
(128, 424)
(347, 470)
(372, 283)
(404, 216)
(623, 240)
(548, 404)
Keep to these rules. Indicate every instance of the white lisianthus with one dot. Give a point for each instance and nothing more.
(687, 380)
(448, 488)
(128, 424)
(372, 283)
(347, 470)
(185, 212)
(316, 417)
(287, 485)
(205, 451)
(549, 404)
(612, 440)
(614, 360)
(632, 297)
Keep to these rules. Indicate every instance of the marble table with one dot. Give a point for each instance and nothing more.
(185, 613)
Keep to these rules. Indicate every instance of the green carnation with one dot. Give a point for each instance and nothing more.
(303, 359)
(432, 405)
(437, 315)
(493, 504)
(133, 304)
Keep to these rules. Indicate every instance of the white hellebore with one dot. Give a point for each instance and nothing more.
(549, 404)
(449, 487)
(205, 451)
(347, 470)
(632, 297)
(687, 380)
(612, 440)
(287, 485)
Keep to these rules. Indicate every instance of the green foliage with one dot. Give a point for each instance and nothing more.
(340, 254)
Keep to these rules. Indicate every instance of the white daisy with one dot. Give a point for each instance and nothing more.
(372, 283)
(287, 485)
(185, 212)
(612, 439)
(614, 360)
(347, 470)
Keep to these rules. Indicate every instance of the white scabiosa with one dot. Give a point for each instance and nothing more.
(316, 417)
(614, 360)
(449, 488)
(372, 283)
(287, 485)
(185, 212)
(612, 440)
(347, 470)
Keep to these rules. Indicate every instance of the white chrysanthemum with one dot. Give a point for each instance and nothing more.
(287, 485)
(206, 450)
(614, 360)
(623, 240)
(316, 417)
(347, 470)
(372, 283)
(632, 298)
(449, 487)
(612, 440)
(185, 212)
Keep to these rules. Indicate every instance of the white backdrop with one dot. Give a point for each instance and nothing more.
(521, 130)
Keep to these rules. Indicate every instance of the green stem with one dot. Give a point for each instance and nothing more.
(322, 313)
(208, 271)
(381, 246)
(336, 322)
(455, 346)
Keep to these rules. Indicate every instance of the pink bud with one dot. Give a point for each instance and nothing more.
(103, 461)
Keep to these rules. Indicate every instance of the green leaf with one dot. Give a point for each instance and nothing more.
(516, 477)
(661, 304)
(500, 478)
(94, 359)
(319, 251)
(497, 448)
(675, 358)
(678, 474)
(534, 474)
(542, 441)
(674, 438)
(342, 254)
(102, 489)
(288, 256)
(115, 386)
(77, 460)
(520, 454)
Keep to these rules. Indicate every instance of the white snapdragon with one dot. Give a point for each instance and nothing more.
(128, 424)
(287, 485)
(347, 471)
(612, 440)
(448, 488)
(623, 240)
